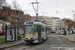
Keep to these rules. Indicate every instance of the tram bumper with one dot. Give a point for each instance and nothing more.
(31, 40)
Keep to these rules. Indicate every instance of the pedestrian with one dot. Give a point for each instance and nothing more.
(65, 33)
(72, 31)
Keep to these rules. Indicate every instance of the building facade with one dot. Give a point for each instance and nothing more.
(63, 23)
(46, 20)
(16, 16)
(55, 23)
(27, 17)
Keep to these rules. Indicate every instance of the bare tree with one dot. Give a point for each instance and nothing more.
(4, 12)
(23, 17)
(16, 6)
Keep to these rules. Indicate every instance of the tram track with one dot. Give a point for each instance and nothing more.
(16, 46)
(53, 41)
(61, 45)
(26, 47)
(48, 45)
(64, 43)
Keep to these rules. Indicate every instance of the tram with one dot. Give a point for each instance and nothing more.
(35, 32)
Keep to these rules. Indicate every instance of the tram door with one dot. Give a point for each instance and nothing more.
(39, 32)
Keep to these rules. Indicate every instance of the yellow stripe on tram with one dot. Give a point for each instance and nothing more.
(31, 34)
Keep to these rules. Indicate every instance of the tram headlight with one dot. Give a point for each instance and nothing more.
(28, 38)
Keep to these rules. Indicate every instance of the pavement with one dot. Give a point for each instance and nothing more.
(11, 44)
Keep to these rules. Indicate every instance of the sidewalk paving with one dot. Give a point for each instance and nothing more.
(10, 44)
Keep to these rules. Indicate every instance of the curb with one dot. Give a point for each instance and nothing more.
(10, 46)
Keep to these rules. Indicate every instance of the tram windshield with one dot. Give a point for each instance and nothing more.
(30, 29)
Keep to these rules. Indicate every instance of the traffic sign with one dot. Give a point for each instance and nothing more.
(21, 31)
(66, 26)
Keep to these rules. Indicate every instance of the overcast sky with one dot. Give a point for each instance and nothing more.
(65, 7)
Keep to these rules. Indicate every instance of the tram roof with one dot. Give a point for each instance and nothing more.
(37, 23)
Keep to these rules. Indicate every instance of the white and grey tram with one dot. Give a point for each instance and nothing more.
(35, 32)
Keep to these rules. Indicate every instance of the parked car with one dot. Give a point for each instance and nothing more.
(51, 31)
(58, 31)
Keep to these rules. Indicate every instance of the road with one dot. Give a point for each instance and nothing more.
(54, 42)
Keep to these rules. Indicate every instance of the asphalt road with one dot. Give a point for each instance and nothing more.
(54, 42)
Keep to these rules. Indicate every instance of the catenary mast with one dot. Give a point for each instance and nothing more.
(36, 10)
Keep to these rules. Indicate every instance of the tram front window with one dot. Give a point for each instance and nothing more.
(30, 29)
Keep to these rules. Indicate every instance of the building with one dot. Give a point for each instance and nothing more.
(63, 23)
(27, 17)
(33, 18)
(60, 23)
(16, 16)
(46, 20)
(55, 23)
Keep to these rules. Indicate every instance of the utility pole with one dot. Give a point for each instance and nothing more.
(36, 10)
(57, 8)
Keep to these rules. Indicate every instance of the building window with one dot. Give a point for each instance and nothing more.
(16, 20)
(16, 16)
(22, 12)
(11, 14)
(11, 10)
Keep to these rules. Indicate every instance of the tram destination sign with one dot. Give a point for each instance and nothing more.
(29, 23)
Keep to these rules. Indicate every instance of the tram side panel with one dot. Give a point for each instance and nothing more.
(44, 33)
(39, 33)
(35, 37)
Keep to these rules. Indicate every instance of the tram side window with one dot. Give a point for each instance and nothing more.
(44, 29)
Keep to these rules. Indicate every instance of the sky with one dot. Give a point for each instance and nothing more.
(48, 7)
